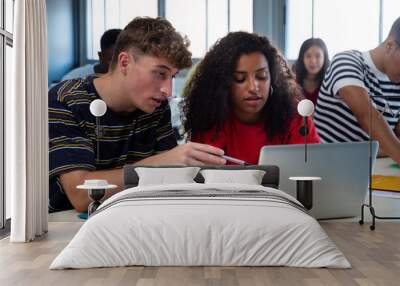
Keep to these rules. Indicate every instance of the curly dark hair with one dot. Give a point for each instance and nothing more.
(108, 39)
(156, 37)
(300, 69)
(207, 94)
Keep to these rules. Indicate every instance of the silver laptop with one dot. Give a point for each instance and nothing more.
(343, 167)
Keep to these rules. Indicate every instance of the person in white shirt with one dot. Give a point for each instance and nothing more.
(357, 82)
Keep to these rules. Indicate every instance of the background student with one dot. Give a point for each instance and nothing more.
(348, 92)
(107, 43)
(310, 67)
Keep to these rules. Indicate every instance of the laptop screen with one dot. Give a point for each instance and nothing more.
(343, 167)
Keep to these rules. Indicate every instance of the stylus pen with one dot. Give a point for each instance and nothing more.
(234, 160)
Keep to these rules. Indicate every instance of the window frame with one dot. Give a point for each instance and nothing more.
(228, 23)
(6, 39)
(88, 50)
(381, 35)
(2, 92)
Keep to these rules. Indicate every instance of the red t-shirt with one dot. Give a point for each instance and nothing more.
(311, 95)
(244, 141)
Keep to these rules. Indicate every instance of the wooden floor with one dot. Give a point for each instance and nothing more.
(374, 255)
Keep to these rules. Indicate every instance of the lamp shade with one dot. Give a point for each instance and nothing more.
(98, 107)
(305, 107)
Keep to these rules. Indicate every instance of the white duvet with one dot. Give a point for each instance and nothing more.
(185, 230)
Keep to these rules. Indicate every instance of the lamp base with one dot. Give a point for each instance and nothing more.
(93, 207)
(96, 195)
(304, 193)
(304, 190)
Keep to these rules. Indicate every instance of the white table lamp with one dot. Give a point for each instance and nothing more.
(305, 108)
(96, 188)
(98, 108)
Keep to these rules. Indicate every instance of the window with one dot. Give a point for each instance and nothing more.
(121, 12)
(217, 21)
(208, 20)
(8, 73)
(191, 22)
(358, 31)
(2, 170)
(299, 25)
(109, 14)
(390, 12)
(6, 29)
(203, 21)
(241, 15)
(9, 13)
(342, 24)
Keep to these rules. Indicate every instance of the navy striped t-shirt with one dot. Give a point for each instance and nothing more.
(334, 120)
(126, 137)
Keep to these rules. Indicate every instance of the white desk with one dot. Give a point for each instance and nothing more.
(384, 206)
(382, 167)
(385, 203)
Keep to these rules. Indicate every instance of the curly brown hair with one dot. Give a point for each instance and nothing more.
(156, 37)
(207, 94)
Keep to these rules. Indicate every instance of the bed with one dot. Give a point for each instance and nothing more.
(201, 223)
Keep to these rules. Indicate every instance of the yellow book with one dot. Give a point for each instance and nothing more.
(386, 183)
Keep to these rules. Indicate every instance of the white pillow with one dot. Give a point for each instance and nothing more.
(164, 176)
(248, 177)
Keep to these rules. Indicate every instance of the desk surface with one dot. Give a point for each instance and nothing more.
(382, 167)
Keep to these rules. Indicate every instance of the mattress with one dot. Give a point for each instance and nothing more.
(201, 225)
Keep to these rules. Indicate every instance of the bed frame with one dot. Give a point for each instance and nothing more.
(270, 179)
